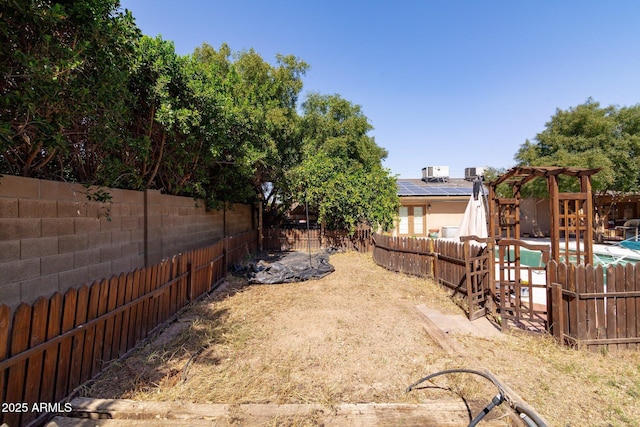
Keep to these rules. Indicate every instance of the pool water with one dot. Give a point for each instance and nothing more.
(534, 258)
(527, 257)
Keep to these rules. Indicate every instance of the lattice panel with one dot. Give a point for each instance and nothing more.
(573, 222)
(508, 218)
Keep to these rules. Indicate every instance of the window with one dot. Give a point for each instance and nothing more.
(412, 221)
(403, 227)
(418, 221)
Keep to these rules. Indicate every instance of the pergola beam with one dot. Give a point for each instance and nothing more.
(519, 176)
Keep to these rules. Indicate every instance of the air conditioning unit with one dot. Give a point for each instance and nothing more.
(471, 173)
(435, 173)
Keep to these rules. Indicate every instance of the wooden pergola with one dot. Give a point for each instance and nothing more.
(571, 213)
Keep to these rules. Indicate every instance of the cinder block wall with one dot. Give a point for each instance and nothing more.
(53, 238)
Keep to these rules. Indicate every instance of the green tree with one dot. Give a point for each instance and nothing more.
(86, 98)
(491, 174)
(261, 138)
(589, 136)
(63, 90)
(341, 173)
(162, 147)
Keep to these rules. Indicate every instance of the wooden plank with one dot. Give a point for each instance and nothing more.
(580, 306)
(621, 305)
(615, 294)
(39, 317)
(164, 302)
(198, 257)
(17, 373)
(75, 371)
(152, 317)
(138, 289)
(130, 316)
(163, 298)
(636, 275)
(590, 305)
(99, 340)
(630, 303)
(5, 320)
(552, 301)
(611, 306)
(89, 336)
(109, 336)
(148, 305)
(601, 315)
(147, 302)
(170, 292)
(119, 332)
(183, 267)
(174, 293)
(559, 327)
(565, 279)
(65, 349)
(54, 325)
(182, 288)
(191, 283)
(431, 413)
(605, 341)
(437, 335)
(158, 299)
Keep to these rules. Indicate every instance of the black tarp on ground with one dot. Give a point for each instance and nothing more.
(291, 267)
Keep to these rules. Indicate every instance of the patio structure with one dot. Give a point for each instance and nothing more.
(571, 234)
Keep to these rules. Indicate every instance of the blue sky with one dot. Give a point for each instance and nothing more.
(444, 83)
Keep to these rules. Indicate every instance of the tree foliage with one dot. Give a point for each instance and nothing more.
(63, 90)
(87, 98)
(341, 173)
(258, 137)
(589, 136)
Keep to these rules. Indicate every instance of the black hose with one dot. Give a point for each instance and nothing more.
(527, 415)
(497, 400)
(457, 371)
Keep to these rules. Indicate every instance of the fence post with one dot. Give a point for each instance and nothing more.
(190, 282)
(466, 251)
(558, 325)
(225, 254)
(434, 259)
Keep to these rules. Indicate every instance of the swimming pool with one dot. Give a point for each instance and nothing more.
(604, 255)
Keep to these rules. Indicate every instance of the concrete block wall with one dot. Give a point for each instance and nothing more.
(53, 238)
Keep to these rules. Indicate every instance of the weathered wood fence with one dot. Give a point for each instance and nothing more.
(52, 346)
(589, 307)
(462, 267)
(416, 257)
(300, 239)
(595, 308)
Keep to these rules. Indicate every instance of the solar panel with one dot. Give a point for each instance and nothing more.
(409, 188)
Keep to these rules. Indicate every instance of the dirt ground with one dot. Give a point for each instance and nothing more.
(355, 336)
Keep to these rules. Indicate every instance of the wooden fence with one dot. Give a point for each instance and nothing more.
(587, 306)
(462, 267)
(595, 308)
(301, 239)
(405, 255)
(52, 346)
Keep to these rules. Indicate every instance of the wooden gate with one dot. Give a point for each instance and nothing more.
(521, 286)
(478, 268)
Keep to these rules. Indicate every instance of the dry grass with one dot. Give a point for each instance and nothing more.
(355, 336)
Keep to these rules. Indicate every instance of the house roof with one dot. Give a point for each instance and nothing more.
(418, 187)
